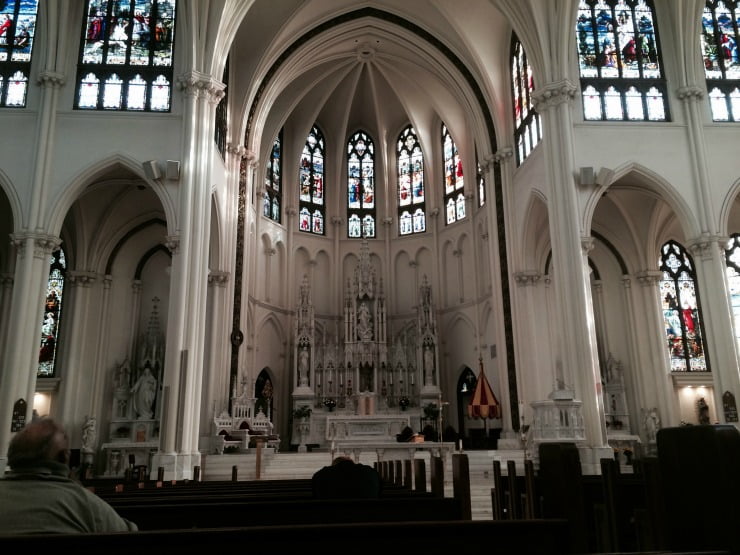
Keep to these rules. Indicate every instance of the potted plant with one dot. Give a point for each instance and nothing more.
(404, 402)
(302, 412)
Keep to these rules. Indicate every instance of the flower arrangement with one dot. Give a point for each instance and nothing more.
(304, 411)
(330, 404)
(404, 402)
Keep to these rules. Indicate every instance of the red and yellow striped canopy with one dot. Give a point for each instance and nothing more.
(483, 404)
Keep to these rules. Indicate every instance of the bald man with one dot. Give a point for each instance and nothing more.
(38, 497)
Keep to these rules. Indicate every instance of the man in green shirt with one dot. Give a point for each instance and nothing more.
(38, 496)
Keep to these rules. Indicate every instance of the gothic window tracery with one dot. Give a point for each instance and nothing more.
(360, 186)
(52, 315)
(311, 183)
(126, 57)
(454, 189)
(619, 61)
(411, 199)
(17, 34)
(527, 125)
(681, 310)
(720, 34)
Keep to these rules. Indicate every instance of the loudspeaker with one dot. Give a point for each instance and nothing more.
(151, 169)
(586, 176)
(173, 169)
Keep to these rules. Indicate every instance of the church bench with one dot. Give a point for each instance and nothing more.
(217, 513)
(544, 537)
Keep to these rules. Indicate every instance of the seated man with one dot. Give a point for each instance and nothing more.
(38, 497)
(345, 479)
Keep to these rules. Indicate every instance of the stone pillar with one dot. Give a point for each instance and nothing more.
(573, 314)
(716, 312)
(6, 292)
(33, 252)
(186, 322)
(101, 371)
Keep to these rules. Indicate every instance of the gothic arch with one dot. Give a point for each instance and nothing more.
(6, 184)
(728, 209)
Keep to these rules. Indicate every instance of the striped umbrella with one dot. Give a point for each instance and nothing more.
(483, 404)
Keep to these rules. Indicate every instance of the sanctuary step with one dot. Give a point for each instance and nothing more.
(275, 466)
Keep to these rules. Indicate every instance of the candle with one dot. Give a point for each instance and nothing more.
(459, 445)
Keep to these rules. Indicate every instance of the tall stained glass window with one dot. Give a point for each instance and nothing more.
(272, 193)
(17, 33)
(619, 61)
(527, 125)
(360, 186)
(681, 310)
(720, 34)
(52, 315)
(411, 206)
(311, 197)
(454, 196)
(732, 258)
(126, 57)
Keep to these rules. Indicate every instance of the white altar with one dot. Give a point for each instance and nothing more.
(363, 428)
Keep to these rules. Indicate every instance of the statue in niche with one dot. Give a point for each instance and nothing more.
(144, 391)
(364, 323)
(122, 392)
(428, 364)
(703, 411)
(366, 377)
(303, 367)
(651, 424)
(89, 434)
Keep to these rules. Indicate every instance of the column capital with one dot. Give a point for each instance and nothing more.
(172, 242)
(690, 92)
(387, 221)
(218, 278)
(43, 244)
(51, 79)
(81, 278)
(527, 277)
(136, 286)
(702, 246)
(270, 251)
(502, 155)
(587, 244)
(627, 282)
(201, 85)
(6, 279)
(336, 220)
(237, 150)
(553, 94)
(649, 277)
(291, 210)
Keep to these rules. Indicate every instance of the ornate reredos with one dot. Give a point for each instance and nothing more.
(364, 274)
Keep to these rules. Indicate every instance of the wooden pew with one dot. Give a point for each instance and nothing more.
(544, 537)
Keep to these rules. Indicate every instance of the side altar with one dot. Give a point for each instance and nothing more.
(365, 381)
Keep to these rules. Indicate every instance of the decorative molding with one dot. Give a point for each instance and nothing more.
(457, 253)
(649, 277)
(291, 210)
(489, 160)
(107, 281)
(691, 92)
(627, 282)
(236, 150)
(502, 155)
(201, 85)
(702, 246)
(52, 79)
(81, 278)
(587, 244)
(172, 242)
(434, 212)
(218, 278)
(136, 286)
(336, 220)
(43, 244)
(387, 221)
(527, 277)
(270, 251)
(553, 94)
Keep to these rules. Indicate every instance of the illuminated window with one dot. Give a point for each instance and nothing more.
(52, 315)
(17, 33)
(454, 191)
(272, 194)
(527, 125)
(360, 186)
(312, 209)
(411, 211)
(719, 44)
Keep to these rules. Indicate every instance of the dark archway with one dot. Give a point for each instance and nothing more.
(264, 393)
(463, 392)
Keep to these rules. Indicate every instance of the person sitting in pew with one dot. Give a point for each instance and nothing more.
(345, 479)
(39, 497)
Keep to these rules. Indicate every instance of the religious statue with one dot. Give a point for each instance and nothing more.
(428, 365)
(652, 424)
(144, 391)
(303, 367)
(364, 325)
(703, 411)
(89, 434)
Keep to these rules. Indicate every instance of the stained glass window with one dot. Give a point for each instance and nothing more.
(527, 125)
(411, 205)
(52, 315)
(732, 258)
(360, 186)
(311, 179)
(454, 195)
(272, 193)
(720, 34)
(222, 117)
(481, 183)
(126, 56)
(619, 61)
(17, 33)
(681, 310)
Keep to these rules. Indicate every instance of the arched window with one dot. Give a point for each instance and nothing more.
(681, 310)
(273, 181)
(719, 44)
(527, 126)
(222, 117)
(52, 315)
(411, 205)
(360, 186)
(17, 31)
(732, 258)
(454, 197)
(619, 61)
(311, 196)
(126, 56)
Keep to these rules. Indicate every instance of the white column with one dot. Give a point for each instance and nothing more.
(216, 380)
(6, 284)
(716, 311)
(573, 309)
(100, 371)
(33, 251)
